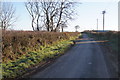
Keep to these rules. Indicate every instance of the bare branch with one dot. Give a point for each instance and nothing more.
(34, 9)
(51, 12)
(7, 17)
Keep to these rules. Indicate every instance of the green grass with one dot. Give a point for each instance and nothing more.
(17, 68)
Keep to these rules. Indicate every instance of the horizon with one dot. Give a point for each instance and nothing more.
(83, 19)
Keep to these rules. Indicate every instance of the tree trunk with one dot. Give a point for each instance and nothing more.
(60, 16)
(32, 24)
(38, 23)
(48, 21)
(62, 29)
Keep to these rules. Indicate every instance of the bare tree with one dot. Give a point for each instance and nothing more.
(52, 13)
(55, 12)
(77, 27)
(34, 10)
(50, 10)
(7, 17)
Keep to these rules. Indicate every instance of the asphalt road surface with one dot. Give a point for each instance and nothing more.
(84, 60)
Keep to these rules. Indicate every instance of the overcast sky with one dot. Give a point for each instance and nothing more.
(87, 14)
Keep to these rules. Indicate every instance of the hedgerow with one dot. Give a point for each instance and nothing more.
(111, 36)
(23, 50)
(17, 43)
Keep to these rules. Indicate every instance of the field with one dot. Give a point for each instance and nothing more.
(23, 50)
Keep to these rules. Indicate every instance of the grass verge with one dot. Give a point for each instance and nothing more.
(25, 63)
(111, 48)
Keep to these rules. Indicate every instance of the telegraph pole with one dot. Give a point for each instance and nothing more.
(103, 12)
(97, 24)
